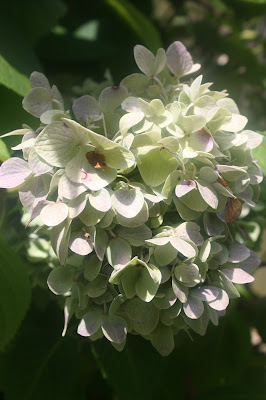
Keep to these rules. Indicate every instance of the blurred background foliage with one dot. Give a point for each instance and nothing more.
(71, 41)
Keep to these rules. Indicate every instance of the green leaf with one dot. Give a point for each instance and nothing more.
(35, 367)
(144, 377)
(13, 79)
(15, 293)
(138, 22)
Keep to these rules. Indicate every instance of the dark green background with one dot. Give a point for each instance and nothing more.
(69, 41)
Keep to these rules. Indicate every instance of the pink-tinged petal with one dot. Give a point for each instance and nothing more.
(13, 172)
(96, 179)
(184, 187)
(201, 140)
(237, 275)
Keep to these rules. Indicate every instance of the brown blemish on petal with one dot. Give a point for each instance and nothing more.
(222, 181)
(65, 125)
(87, 236)
(233, 210)
(96, 160)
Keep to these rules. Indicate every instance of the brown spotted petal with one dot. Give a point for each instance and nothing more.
(96, 160)
(232, 210)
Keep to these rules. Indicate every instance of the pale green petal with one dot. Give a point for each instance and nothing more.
(140, 219)
(118, 253)
(57, 144)
(184, 247)
(90, 216)
(148, 283)
(191, 231)
(155, 164)
(128, 202)
(208, 193)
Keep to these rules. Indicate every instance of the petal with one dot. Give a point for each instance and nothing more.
(183, 247)
(13, 172)
(114, 328)
(111, 97)
(238, 252)
(217, 298)
(184, 187)
(79, 243)
(77, 205)
(145, 60)
(148, 283)
(128, 202)
(208, 193)
(86, 106)
(100, 200)
(60, 280)
(90, 323)
(237, 275)
(118, 253)
(201, 140)
(193, 308)
(155, 164)
(140, 219)
(37, 165)
(57, 144)
(96, 179)
(186, 272)
(68, 189)
(37, 101)
(190, 230)
(178, 59)
(53, 214)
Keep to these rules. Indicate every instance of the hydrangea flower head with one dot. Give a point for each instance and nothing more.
(141, 190)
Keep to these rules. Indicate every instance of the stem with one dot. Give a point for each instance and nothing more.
(123, 177)
(164, 94)
(104, 126)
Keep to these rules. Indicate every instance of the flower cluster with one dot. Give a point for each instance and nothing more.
(141, 190)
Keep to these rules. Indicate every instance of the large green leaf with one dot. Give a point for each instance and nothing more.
(17, 58)
(238, 392)
(4, 153)
(13, 79)
(139, 372)
(138, 22)
(42, 365)
(15, 293)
